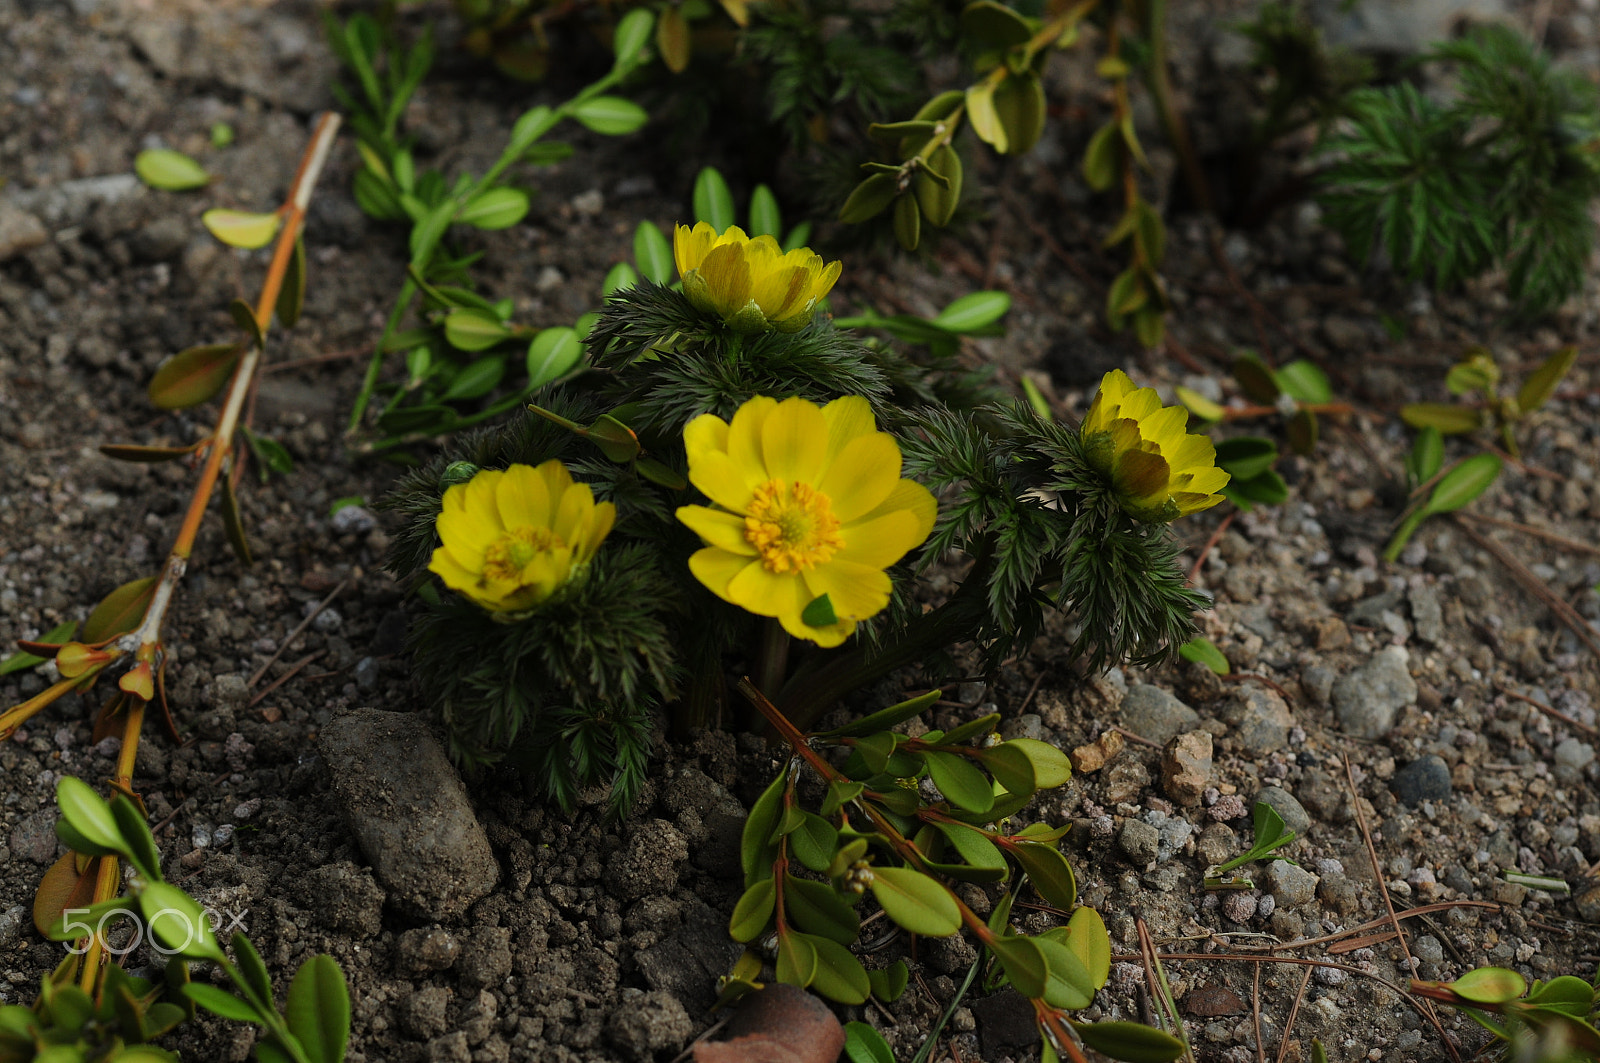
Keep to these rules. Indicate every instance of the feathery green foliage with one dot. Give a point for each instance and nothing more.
(1502, 174)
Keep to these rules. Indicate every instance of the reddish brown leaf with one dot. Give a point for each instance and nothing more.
(777, 1024)
(68, 884)
(1213, 1001)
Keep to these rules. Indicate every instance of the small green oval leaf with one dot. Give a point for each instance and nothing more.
(552, 354)
(170, 171)
(476, 380)
(1130, 1041)
(1304, 381)
(765, 217)
(611, 116)
(318, 1010)
(474, 330)
(974, 311)
(1203, 651)
(1462, 484)
(1490, 985)
(960, 781)
(120, 611)
(753, 912)
(1049, 872)
(916, 902)
(713, 203)
(494, 208)
(651, 253)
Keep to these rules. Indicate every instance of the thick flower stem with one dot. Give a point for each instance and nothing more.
(772, 662)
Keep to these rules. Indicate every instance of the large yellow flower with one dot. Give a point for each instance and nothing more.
(810, 509)
(512, 539)
(753, 285)
(1159, 471)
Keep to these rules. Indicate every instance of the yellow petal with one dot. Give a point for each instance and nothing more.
(825, 281)
(1194, 503)
(463, 530)
(706, 432)
(1194, 450)
(862, 476)
(455, 575)
(881, 541)
(1139, 404)
(794, 441)
(604, 518)
(856, 591)
(575, 508)
(1201, 481)
(1141, 477)
(717, 568)
(725, 483)
(781, 292)
(826, 637)
(523, 497)
(769, 593)
(1165, 427)
(847, 418)
(744, 438)
(724, 531)
(915, 499)
(689, 246)
(727, 278)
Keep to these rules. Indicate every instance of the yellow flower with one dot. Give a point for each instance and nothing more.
(753, 285)
(512, 539)
(1159, 471)
(810, 509)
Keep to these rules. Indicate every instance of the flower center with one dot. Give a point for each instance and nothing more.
(792, 526)
(510, 554)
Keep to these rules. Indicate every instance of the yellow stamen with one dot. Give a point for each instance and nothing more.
(505, 560)
(792, 526)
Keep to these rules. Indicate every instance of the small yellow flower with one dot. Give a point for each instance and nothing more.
(1159, 471)
(512, 539)
(753, 285)
(809, 503)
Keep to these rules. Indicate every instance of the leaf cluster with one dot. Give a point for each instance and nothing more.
(1045, 530)
(66, 1026)
(877, 831)
(1502, 174)
(1554, 1021)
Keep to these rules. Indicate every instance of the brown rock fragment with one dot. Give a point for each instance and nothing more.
(1186, 767)
(1090, 758)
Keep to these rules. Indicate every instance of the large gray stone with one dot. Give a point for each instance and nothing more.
(1369, 699)
(1288, 808)
(1290, 885)
(1153, 713)
(1400, 27)
(409, 812)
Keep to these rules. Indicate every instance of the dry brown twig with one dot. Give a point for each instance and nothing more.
(1533, 585)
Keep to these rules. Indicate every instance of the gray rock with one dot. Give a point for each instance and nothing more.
(1260, 719)
(1399, 27)
(1124, 780)
(70, 202)
(262, 52)
(416, 827)
(1369, 699)
(648, 863)
(11, 921)
(345, 898)
(1138, 841)
(1573, 753)
(1295, 817)
(1427, 618)
(1588, 905)
(35, 837)
(19, 231)
(1153, 713)
(1289, 884)
(1424, 779)
(1369, 611)
(1338, 893)
(647, 1023)
(1317, 682)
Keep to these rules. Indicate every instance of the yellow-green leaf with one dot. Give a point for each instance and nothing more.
(1199, 405)
(1538, 388)
(292, 296)
(869, 199)
(1449, 420)
(1465, 482)
(238, 228)
(171, 171)
(1130, 1041)
(672, 39)
(120, 611)
(1490, 985)
(983, 116)
(753, 912)
(193, 376)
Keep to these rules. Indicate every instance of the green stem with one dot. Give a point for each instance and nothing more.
(1167, 107)
(375, 366)
(1404, 534)
(772, 661)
